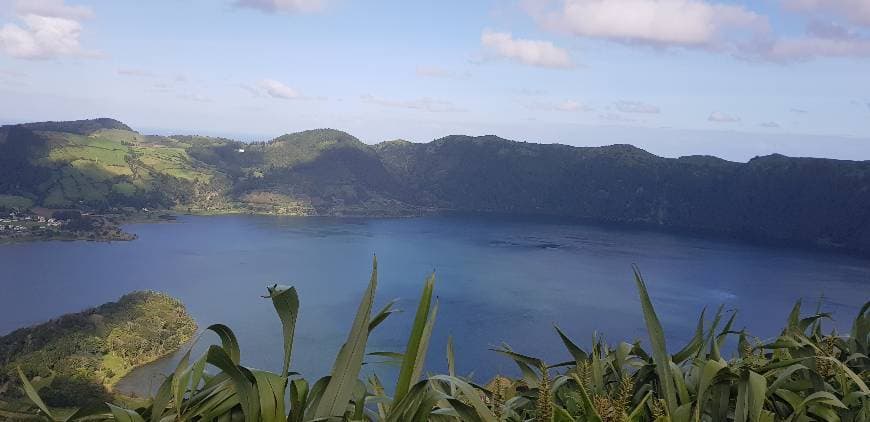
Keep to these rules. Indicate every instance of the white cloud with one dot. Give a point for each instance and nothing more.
(815, 47)
(530, 52)
(770, 125)
(822, 39)
(855, 11)
(277, 89)
(720, 117)
(636, 107)
(567, 106)
(50, 30)
(283, 6)
(688, 23)
(254, 91)
(422, 104)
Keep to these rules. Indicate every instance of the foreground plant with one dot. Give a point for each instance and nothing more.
(802, 375)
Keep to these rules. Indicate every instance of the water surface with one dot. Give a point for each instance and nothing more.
(498, 280)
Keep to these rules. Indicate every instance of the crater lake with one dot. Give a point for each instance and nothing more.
(499, 281)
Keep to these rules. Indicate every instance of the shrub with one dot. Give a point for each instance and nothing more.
(802, 375)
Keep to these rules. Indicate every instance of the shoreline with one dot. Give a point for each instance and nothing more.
(171, 215)
(92, 345)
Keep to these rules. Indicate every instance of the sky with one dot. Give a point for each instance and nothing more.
(735, 79)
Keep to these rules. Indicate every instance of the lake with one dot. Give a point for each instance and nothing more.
(499, 280)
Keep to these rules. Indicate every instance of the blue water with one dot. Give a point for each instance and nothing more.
(498, 281)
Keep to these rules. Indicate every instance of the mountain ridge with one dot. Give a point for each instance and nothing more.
(796, 200)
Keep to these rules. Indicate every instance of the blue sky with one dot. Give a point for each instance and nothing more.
(676, 77)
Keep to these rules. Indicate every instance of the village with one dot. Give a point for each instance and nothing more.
(58, 225)
(17, 224)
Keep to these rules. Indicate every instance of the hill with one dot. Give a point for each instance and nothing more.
(103, 163)
(84, 354)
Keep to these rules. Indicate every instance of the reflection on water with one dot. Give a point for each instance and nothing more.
(499, 280)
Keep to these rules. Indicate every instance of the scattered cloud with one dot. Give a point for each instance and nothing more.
(254, 91)
(283, 6)
(48, 29)
(821, 39)
(567, 106)
(636, 107)
(161, 83)
(278, 90)
(440, 72)
(713, 25)
(530, 52)
(770, 125)
(422, 104)
(720, 117)
(798, 110)
(684, 23)
(855, 11)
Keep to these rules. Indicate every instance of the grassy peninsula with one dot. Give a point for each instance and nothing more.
(79, 357)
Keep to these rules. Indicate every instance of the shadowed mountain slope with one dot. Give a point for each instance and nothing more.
(804, 201)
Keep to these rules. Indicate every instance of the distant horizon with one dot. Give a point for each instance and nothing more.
(730, 78)
(747, 146)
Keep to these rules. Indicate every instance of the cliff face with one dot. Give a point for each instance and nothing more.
(102, 163)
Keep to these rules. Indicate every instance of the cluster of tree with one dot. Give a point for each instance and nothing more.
(86, 352)
(774, 198)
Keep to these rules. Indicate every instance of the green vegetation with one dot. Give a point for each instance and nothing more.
(79, 357)
(12, 202)
(102, 164)
(802, 375)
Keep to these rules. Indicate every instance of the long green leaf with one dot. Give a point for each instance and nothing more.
(242, 383)
(657, 340)
(125, 415)
(228, 340)
(409, 362)
(576, 352)
(422, 351)
(350, 358)
(32, 394)
(286, 303)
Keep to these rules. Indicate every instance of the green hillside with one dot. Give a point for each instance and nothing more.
(102, 164)
(85, 354)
